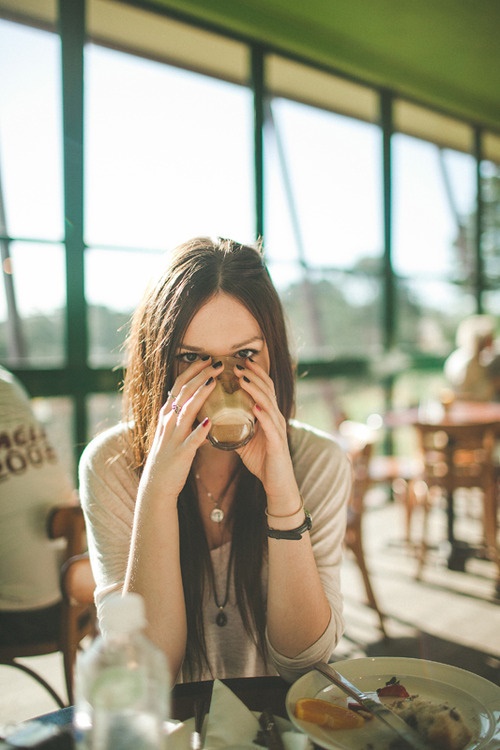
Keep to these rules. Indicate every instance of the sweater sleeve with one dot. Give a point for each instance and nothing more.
(108, 489)
(324, 477)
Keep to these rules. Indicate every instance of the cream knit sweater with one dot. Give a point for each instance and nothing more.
(108, 489)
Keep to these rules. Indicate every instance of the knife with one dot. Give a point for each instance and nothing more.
(270, 731)
(379, 710)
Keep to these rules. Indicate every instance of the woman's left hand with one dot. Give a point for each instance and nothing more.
(267, 454)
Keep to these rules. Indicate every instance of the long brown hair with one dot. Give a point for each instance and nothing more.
(198, 269)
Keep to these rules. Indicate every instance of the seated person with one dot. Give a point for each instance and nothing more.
(468, 368)
(32, 480)
(238, 581)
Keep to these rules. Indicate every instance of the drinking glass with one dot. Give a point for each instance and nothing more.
(229, 409)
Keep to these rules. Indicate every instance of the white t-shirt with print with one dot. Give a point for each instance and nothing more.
(32, 480)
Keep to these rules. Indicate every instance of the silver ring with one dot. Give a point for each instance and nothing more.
(176, 408)
(171, 395)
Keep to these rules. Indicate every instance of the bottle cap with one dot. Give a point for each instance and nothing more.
(123, 613)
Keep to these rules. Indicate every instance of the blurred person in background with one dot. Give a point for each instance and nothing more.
(32, 481)
(470, 369)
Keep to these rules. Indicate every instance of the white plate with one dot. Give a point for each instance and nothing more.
(477, 699)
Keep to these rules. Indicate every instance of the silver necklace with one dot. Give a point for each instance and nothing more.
(217, 515)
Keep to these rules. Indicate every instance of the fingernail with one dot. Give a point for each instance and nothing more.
(217, 365)
(205, 422)
(205, 357)
(259, 408)
(210, 380)
(240, 367)
(247, 380)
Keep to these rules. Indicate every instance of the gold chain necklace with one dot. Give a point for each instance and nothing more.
(217, 515)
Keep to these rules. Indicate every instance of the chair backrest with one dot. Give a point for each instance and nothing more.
(361, 478)
(68, 522)
(359, 440)
(77, 581)
(457, 455)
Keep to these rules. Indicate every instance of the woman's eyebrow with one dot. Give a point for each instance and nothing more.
(234, 347)
(243, 344)
(189, 348)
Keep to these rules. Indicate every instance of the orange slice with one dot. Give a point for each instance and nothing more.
(327, 714)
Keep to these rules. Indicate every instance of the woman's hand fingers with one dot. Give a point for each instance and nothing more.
(189, 380)
(255, 380)
(176, 440)
(267, 455)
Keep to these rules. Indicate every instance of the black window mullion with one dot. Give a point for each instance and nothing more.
(72, 30)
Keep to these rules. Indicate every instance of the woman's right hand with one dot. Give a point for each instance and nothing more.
(176, 437)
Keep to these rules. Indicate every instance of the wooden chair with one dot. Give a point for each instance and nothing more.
(402, 475)
(359, 441)
(75, 622)
(455, 457)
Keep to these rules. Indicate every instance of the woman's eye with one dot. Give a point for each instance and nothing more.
(187, 357)
(246, 353)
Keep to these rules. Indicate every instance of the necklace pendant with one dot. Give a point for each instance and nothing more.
(221, 618)
(217, 516)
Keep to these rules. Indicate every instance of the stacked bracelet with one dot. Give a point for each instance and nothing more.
(288, 515)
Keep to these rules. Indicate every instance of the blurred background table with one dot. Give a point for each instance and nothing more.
(459, 445)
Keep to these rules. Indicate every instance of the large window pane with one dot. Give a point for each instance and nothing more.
(323, 171)
(169, 157)
(30, 132)
(323, 227)
(490, 238)
(333, 314)
(32, 311)
(57, 415)
(104, 411)
(115, 284)
(434, 211)
(428, 314)
(324, 245)
(433, 243)
(169, 154)
(324, 403)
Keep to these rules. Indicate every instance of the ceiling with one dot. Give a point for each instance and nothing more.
(444, 53)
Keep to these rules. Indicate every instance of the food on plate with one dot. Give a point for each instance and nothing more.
(393, 688)
(440, 724)
(327, 714)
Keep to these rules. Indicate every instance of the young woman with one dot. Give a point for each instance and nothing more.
(224, 597)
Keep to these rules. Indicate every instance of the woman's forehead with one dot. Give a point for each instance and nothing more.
(221, 323)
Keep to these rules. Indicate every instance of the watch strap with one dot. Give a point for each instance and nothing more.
(292, 533)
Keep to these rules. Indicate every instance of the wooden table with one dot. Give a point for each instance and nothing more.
(457, 413)
(454, 420)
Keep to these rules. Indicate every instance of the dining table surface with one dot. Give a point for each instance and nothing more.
(257, 693)
(453, 413)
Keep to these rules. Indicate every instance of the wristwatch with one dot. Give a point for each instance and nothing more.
(292, 533)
